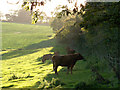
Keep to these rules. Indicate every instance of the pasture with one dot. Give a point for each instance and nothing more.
(22, 49)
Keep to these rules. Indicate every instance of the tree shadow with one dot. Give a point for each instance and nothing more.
(60, 72)
(34, 48)
(16, 53)
(80, 73)
(43, 44)
(28, 49)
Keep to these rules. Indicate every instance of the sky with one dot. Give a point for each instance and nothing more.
(6, 7)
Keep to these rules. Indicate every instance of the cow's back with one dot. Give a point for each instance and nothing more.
(47, 56)
(65, 60)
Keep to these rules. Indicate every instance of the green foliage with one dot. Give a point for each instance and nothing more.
(80, 85)
(96, 13)
(55, 82)
(94, 33)
(66, 29)
(91, 85)
(24, 3)
(56, 24)
(44, 84)
(36, 15)
(63, 13)
(99, 33)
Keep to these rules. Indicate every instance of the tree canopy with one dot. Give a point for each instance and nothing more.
(95, 30)
(38, 14)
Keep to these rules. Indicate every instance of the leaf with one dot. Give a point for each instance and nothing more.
(42, 3)
(24, 4)
(41, 17)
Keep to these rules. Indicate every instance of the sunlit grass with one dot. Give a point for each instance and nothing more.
(25, 65)
(22, 54)
(20, 68)
(20, 35)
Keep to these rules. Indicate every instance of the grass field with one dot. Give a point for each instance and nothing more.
(22, 49)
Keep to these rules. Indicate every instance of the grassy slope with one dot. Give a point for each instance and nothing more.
(21, 35)
(24, 44)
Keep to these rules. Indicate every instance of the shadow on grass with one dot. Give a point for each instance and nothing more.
(28, 49)
(63, 71)
(34, 48)
(8, 86)
(43, 44)
(80, 73)
(16, 53)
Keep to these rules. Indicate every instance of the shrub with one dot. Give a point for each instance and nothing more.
(80, 85)
(55, 82)
(44, 84)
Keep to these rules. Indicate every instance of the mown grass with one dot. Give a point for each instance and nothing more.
(21, 35)
(23, 48)
(19, 57)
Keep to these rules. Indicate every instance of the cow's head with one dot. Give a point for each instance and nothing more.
(80, 57)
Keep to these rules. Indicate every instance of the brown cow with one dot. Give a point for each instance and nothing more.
(69, 50)
(66, 60)
(49, 56)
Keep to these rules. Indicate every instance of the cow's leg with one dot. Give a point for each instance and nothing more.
(72, 68)
(56, 70)
(68, 70)
(53, 66)
(43, 60)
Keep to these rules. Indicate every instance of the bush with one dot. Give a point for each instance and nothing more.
(80, 85)
(55, 83)
(83, 85)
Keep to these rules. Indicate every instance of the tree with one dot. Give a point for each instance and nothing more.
(101, 20)
(37, 14)
(1, 15)
(22, 17)
(8, 17)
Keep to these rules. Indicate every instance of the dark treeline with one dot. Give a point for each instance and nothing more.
(94, 32)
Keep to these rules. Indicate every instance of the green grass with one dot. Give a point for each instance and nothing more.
(23, 48)
(21, 35)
